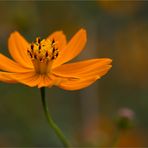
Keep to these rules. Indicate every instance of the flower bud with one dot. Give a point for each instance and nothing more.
(125, 118)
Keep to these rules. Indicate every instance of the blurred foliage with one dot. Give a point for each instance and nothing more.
(116, 29)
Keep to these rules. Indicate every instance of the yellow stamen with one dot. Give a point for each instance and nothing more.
(42, 54)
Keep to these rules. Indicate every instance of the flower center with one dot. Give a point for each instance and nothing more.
(43, 53)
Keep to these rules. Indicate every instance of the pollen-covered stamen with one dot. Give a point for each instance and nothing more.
(39, 47)
(30, 54)
(43, 53)
(38, 40)
(46, 54)
(53, 41)
(32, 46)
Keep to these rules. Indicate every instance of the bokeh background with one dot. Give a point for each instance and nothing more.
(116, 29)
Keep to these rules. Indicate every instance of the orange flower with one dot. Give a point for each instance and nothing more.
(41, 63)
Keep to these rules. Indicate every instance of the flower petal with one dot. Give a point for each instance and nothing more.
(10, 66)
(72, 49)
(77, 84)
(60, 38)
(87, 68)
(46, 81)
(6, 77)
(18, 49)
(28, 78)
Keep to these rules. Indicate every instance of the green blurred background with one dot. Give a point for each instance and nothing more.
(116, 29)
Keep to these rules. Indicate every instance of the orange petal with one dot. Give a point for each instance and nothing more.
(97, 73)
(72, 49)
(18, 49)
(77, 84)
(46, 81)
(9, 65)
(87, 68)
(6, 77)
(29, 78)
(60, 38)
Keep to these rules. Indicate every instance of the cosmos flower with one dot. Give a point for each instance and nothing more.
(42, 62)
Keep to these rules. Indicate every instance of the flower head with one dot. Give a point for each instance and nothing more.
(41, 63)
(125, 118)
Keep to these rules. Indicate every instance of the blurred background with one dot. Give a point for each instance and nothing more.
(115, 29)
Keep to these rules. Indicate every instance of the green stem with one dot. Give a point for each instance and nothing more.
(51, 123)
(115, 140)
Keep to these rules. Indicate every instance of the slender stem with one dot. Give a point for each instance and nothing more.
(51, 123)
(115, 139)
